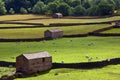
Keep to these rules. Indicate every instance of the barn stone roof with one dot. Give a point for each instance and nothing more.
(58, 14)
(37, 55)
(55, 30)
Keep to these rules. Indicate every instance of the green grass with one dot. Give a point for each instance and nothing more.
(107, 73)
(48, 21)
(13, 25)
(115, 30)
(6, 71)
(39, 32)
(66, 50)
(69, 50)
(21, 17)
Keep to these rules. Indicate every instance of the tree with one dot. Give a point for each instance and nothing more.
(48, 1)
(64, 9)
(93, 11)
(87, 5)
(53, 7)
(39, 8)
(79, 11)
(105, 8)
(117, 4)
(2, 8)
(75, 3)
(11, 11)
(23, 10)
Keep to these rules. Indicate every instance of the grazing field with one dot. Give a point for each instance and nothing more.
(13, 25)
(38, 32)
(115, 30)
(21, 17)
(106, 73)
(49, 21)
(69, 50)
(7, 71)
(66, 49)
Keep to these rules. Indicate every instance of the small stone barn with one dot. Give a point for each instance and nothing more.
(117, 23)
(32, 63)
(57, 15)
(53, 34)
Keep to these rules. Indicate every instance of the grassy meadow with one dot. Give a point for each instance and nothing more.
(107, 73)
(39, 32)
(7, 71)
(13, 25)
(21, 17)
(115, 30)
(63, 20)
(68, 50)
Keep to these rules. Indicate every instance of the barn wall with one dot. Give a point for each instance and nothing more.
(37, 65)
(21, 64)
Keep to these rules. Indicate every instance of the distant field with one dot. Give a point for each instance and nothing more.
(49, 21)
(38, 32)
(13, 25)
(21, 17)
(115, 30)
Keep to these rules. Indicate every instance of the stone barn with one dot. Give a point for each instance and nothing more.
(32, 63)
(57, 15)
(53, 34)
(117, 23)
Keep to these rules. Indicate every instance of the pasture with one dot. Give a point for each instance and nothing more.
(107, 73)
(65, 20)
(21, 17)
(14, 25)
(39, 32)
(69, 50)
(115, 30)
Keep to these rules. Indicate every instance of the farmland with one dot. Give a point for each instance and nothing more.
(112, 31)
(76, 48)
(20, 17)
(69, 50)
(49, 21)
(38, 32)
(107, 73)
(13, 25)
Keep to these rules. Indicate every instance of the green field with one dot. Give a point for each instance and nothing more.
(13, 25)
(69, 50)
(48, 21)
(115, 30)
(107, 73)
(76, 48)
(21, 17)
(6, 71)
(38, 32)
